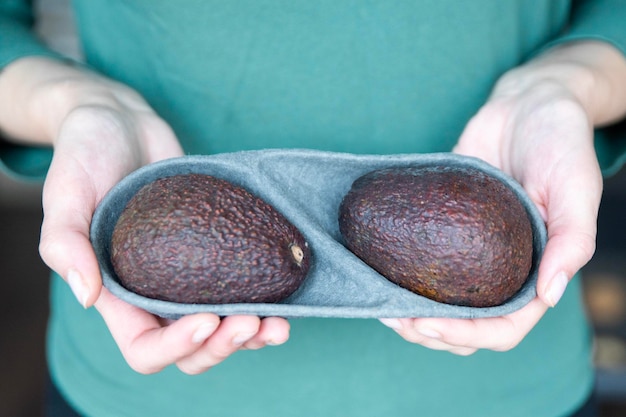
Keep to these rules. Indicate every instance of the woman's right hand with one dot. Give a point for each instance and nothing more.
(102, 130)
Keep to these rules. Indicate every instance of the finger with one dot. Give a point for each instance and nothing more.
(231, 335)
(493, 333)
(68, 202)
(572, 211)
(482, 133)
(273, 331)
(70, 195)
(159, 139)
(145, 344)
(406, 329)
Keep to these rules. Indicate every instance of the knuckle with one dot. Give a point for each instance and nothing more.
(49, 249)
(218, 354)
(93, 115)
(137, 360)
(203, 361)
(569, 107)
(139, 366)
(586, 244)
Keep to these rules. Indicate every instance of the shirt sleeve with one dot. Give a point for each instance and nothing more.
(602, 20)
(17, 38)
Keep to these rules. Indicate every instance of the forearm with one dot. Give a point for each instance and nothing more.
(594, 72)
(37, 94)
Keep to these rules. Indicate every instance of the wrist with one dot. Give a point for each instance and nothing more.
(29, 108)
(592, 73)
(550, 77)
(37, 94)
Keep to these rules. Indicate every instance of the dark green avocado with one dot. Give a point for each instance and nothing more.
(455, 235)
(199, 239)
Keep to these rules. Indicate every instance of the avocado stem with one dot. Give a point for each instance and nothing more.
(297, 253)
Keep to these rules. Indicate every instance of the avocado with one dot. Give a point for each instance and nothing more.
(453, 234)
(195, 238)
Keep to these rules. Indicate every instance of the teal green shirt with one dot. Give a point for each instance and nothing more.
(342, 75)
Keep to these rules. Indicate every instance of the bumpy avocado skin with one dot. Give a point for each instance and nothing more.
(199, 239)
(455, 235)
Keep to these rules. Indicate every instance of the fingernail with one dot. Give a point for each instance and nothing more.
(241, 338)
(428, 332)
(557, 288)
(272, 342)
(203, 332)
(78, 287)
(392, 323)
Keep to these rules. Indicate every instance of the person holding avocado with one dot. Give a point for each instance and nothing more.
(537, 89)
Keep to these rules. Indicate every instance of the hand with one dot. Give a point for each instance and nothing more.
(538, 127)
(542, 137)
(101, 131)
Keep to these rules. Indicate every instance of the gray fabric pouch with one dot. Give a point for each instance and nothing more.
(307, 187)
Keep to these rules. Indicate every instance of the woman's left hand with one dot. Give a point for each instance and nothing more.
(537, 126)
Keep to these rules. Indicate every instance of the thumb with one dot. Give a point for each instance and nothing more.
(68, 203)
(572, 211)
(71, 193)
